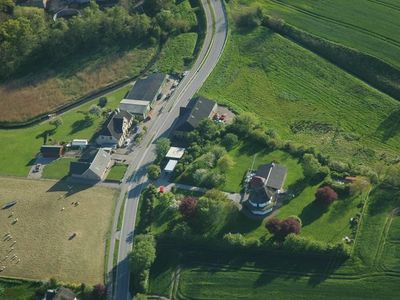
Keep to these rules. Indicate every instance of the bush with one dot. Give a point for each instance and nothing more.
(154, 172)
(280, 229)
(99, 291)
(230, 140)
(235, 239)
(325, 195)
(188, 207)
(273, 226)
(102, 101)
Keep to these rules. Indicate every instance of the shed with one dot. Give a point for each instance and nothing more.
(52, 150)
(175, 152)
(79, 143)
(170, 165)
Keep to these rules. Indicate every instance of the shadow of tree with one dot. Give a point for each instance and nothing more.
(390, 126)
(45, 134)
(312, 212)
(79, 125)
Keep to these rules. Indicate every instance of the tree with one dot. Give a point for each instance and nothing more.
(188, 207)
(216, 195)
(325, 195)
(230, 140)
(273, 226)
(95, 110)
(152, 7)
(143, 254)
(208, 130)
(103, 101)
(162, 147)
(56, 122)
(225, 163)
(154, 172)
(99, 291)
(244, 124)
(312, 167)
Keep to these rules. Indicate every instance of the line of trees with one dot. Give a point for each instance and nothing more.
(31, 38)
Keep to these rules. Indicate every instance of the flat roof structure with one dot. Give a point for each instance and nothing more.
(170, 165)
(135, 106)
(175, 152)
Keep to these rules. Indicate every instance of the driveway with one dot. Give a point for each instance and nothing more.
(42, 161)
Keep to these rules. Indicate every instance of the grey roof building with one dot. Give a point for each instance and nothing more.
(116, 129)
(147, 88)
(60, 293)
(197, 110)
(93, 165)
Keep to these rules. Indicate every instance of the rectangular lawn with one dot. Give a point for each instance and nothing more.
(44, 229)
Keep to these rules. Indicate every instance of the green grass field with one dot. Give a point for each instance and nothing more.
(43, 231)
(18, 290)
(371, 273)
(57, 169)
(370, 26)
(117, 172)
(304, 98)
(21, 145)
(176, 50)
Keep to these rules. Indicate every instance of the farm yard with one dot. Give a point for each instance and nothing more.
(304, 98)
(21, 145)
(48, 219)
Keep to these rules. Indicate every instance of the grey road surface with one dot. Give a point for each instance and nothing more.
(143, 155)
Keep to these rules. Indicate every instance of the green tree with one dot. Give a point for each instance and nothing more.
(230, 140)
(154, 172)
(225, 163)
(162, 147)
(152, 7)
(311, 165)
(143, 254)
(244, 124)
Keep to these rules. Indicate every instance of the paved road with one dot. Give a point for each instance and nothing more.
(143, 155)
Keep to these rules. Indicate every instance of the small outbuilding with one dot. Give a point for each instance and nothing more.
(169, 168)
(175, 153)
(60, 293)
(79, 143)
(52, 151)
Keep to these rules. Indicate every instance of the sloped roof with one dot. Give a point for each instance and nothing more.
(95, 160)
(134, 106)
(64, 294)
(274, 175)
(147, 88)
(100, 162)
(197, 110)
(114, 124)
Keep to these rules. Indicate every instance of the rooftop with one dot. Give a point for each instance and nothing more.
(274, 175)
(170, 165)
(147, 88)
(197, 110)
(175, 152)
(114, 124)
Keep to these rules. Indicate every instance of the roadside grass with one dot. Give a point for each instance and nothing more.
(304, 98)
(43, 230)
(117, 172)
(345, 22)
(38, 93)
(57, 169)
(121, 215)
(177, 53)
(21, 145)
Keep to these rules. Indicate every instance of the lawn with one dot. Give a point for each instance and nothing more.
(345, 22)
(43, 231)
(117, 172)
(57, 169)
(21, 145)
(43, 91)
(177, 53)
(18, 290)
(304, 98)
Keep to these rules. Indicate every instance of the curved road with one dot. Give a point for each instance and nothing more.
(136, 178)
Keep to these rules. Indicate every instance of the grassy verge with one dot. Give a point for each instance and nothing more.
(116, 251)
(177, 53)
(121, 215)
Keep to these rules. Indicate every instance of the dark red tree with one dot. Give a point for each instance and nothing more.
(290, 225)
(188, 207)
(273, 226)
(325, 195)
(99, 291)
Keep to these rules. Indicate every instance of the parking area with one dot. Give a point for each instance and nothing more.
(36, 170)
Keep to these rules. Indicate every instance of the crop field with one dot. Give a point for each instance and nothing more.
(177, 53)
(370, 26)
(21, 145)
(43, 224)
(371, 273)
(305, 98)
(41, 92)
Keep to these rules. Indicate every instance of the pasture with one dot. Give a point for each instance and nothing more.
(304, 98)
(370, 26)
(21, 145)
(45, 90)
(43, 232)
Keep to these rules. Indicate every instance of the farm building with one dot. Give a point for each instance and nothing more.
(93, 165)
(61, 293)
(143, 94)
(264, 186)
(52, 151)
(197, 110)
(175, 152)
(115, 130)
(79, 143)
